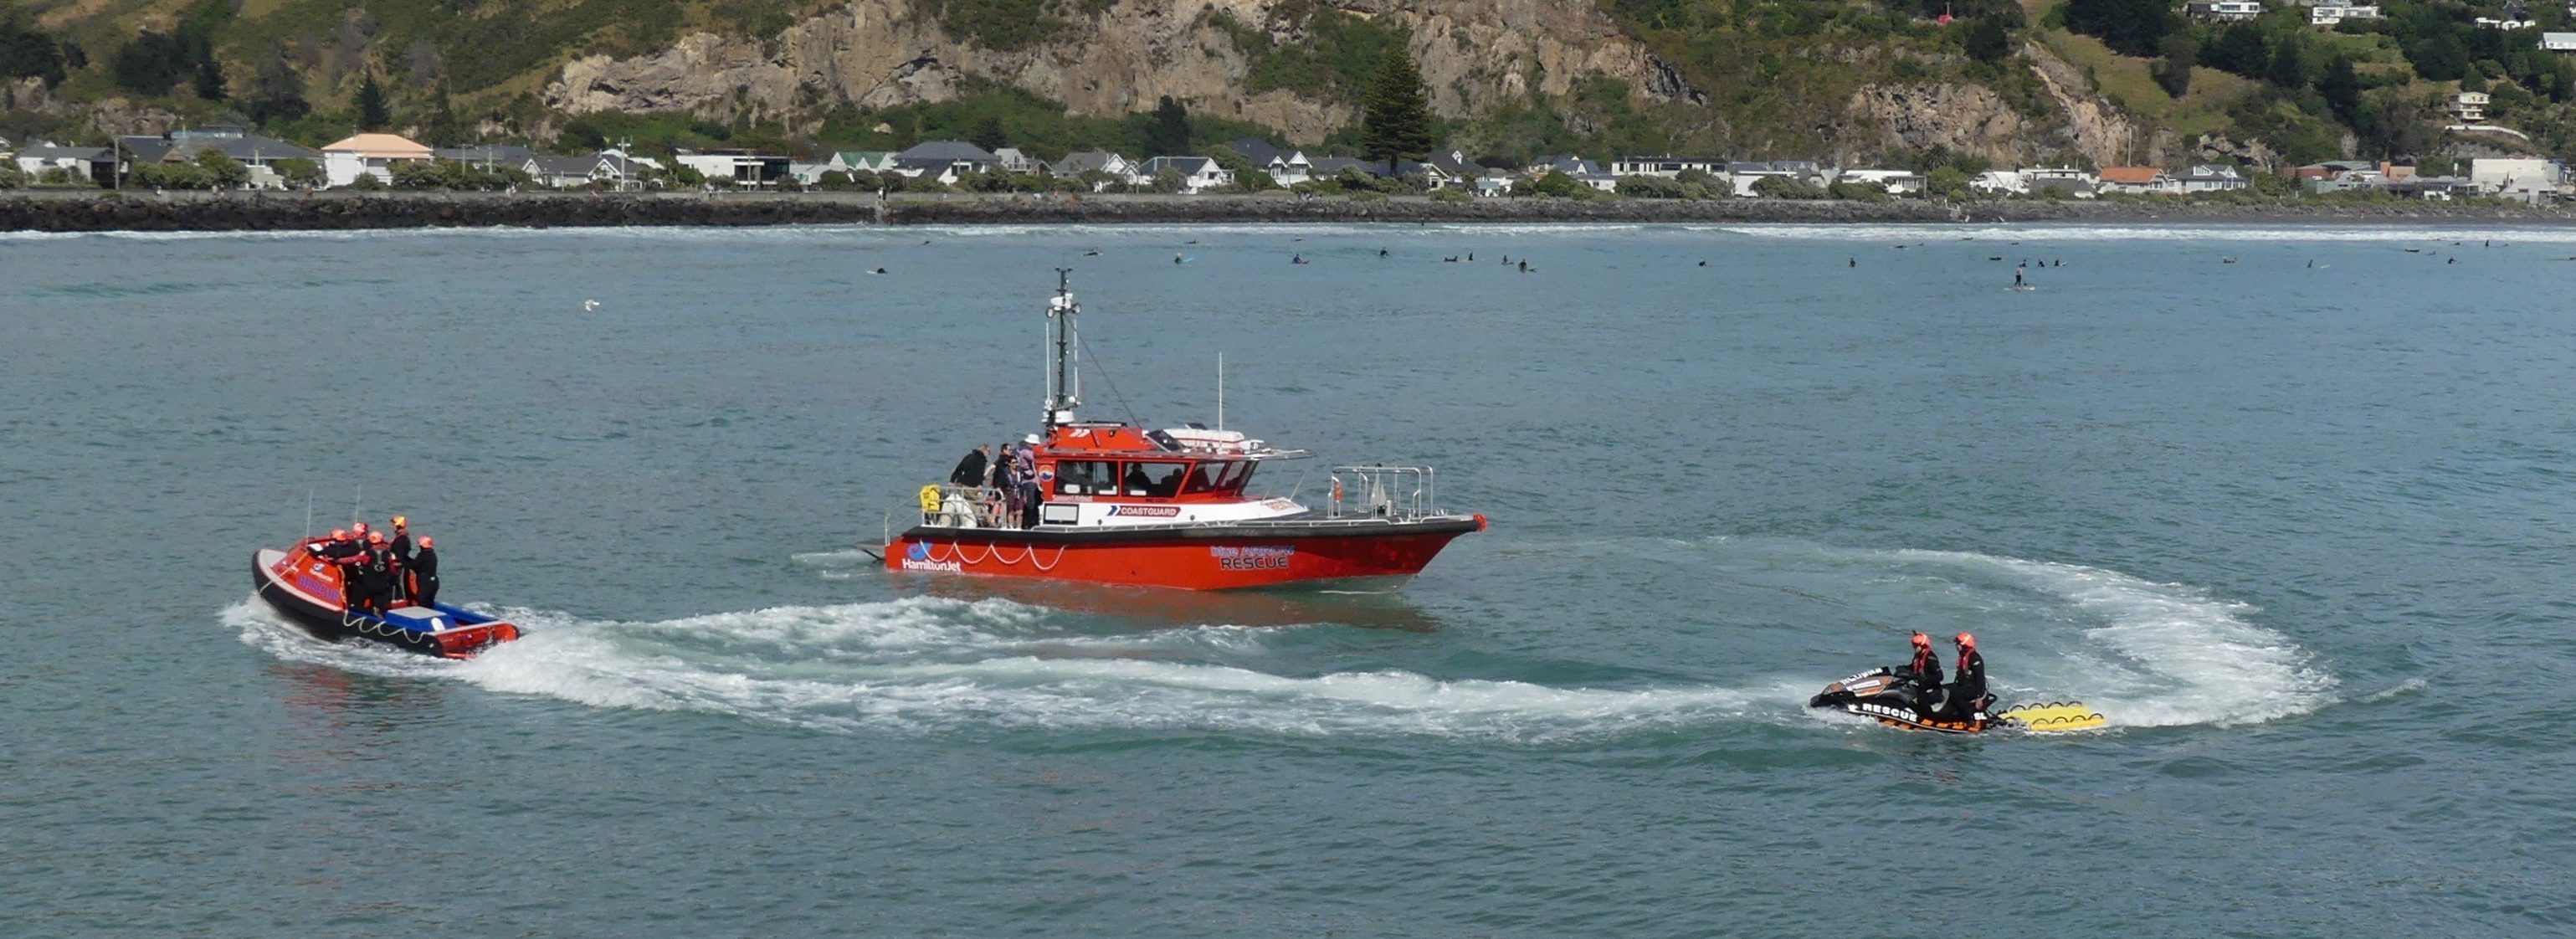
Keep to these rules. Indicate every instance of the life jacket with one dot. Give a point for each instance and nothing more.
(1924, 661)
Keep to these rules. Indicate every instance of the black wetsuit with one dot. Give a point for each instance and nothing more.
(375, 577)
(969, 471)
(1926, 670)
(424, 577)
(1970, 689)
(402, 559)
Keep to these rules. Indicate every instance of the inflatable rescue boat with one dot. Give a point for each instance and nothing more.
(1893, 697)
(304, 586)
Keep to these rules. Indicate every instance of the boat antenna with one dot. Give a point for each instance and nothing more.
(308, 514)
(1064, 373)
(354, 499)
(1220, 390)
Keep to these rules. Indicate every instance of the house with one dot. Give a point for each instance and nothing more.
(1286, 167)
(254, 151)
(1667, 166)
(1450, 169)
(2137, 180)
(1080, 163)
(1574, 166)
(2558, 42)
(1896, 182)
(2223, 11)
(2329, 14)
(2000, 182)
(934, 157)
(486, 155)
(91, 163)
(2469, 106)
(1198, 174)
(369, 155)
(572, 172)
(1494, 183)
(1746, 175)
(860, 161)
(1012, 160)
(742, 167)
(2525, 179)
(2212, 178)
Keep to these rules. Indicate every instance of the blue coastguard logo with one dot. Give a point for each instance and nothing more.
(920, 551)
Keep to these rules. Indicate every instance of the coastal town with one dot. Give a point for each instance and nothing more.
(237, 158)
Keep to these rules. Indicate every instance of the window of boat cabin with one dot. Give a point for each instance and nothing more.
(1157, 480)
(1085, 478)
(1217, 476)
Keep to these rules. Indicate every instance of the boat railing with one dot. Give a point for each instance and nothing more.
(1376, 491)
(949, 505)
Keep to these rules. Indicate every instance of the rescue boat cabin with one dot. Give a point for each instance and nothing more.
(1103, 473)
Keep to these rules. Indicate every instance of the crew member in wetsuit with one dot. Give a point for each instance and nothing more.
(424, 573)
(341, 553)
(970, 469)
(374, 570)
(402, 556)
(1925, 671)
(1970, 690)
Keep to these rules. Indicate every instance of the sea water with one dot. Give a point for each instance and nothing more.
(2297, 524)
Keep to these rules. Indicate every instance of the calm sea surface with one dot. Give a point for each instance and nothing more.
(2299, 525)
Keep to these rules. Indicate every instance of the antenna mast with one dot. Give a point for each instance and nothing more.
(1220, 391)
(1064, 374)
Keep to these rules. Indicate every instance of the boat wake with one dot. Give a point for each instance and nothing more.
(932, 664)
(2143, 653)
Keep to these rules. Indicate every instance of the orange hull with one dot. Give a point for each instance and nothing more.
(1219, 558)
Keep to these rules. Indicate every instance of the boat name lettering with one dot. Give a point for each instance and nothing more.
(1252, 557)
(1151, 511)
(948, 567)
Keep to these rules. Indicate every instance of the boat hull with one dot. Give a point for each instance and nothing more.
(305, 589)
(1199, 557)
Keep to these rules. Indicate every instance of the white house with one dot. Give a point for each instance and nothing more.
(370, 155)
(2223, 11)
(83, 162)
(1198, 174)
(2558, 42)
(2137, 180)
(2213, 178)
(572, 172)
(1286, 167)
(2470, 106)
(2328, 14)
(1896, 182)
(2526, 179)
(2000, 182)
(1115, 168)
(1012, 160)
(1667, 166)
(743, 167)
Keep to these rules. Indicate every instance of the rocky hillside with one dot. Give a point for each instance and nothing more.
(1849, 79)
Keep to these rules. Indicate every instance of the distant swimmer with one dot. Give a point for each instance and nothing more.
(1093, 253)
(2452, 261)
(1851, 262)
(1296, 259)
(1381, 252)
(878, 271)
(1703, 263)
(1525, 268)
(1176, 257)
(1471, 256)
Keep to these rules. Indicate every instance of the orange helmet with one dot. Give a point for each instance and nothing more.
(1965, 641)
(1922, 641)
(339, 534)
(401, 522)
(424, 541)
(375, 537)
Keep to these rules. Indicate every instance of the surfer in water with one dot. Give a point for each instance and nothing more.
(2018, 270)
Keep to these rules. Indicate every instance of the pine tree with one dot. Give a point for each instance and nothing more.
(210, 79)
(1167, 133)
(1396, 116)
(372, 114)
(988, 133)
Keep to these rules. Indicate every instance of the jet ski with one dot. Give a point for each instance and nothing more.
(1895, 697)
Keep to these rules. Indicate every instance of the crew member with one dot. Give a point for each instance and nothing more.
(970, 469)
(373, 566)
(402, 557)
(1926, 667)
(424, 574)
(1970, 690)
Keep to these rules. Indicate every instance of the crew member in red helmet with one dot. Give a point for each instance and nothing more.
(1969, 692)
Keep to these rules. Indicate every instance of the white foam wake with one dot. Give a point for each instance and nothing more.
(2055, 233)
(2145, 654)
(928, 664)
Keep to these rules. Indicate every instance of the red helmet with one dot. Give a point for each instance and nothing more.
(1922, 641)
(424, 541)
(1965, 641)
(339, 534)
(375, 537)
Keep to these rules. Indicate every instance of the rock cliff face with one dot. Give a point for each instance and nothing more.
(875, 53)
(1972, 119)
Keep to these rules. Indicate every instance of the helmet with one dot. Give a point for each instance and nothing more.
(424, 541)
(1965, 641)
(339, 534)
(401, 522)
(375, 537)
(1922, 640)
(359, 527)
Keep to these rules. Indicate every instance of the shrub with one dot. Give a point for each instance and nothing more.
(1449, 195)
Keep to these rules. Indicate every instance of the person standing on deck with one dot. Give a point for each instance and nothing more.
(970, 468)
(402, 558)
(424, 574)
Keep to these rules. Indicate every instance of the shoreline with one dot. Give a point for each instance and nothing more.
(73, 211)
